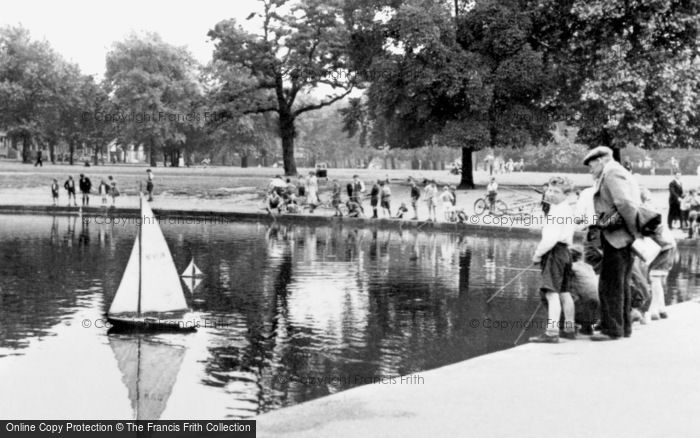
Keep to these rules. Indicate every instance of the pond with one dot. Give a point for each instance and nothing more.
(291, 313)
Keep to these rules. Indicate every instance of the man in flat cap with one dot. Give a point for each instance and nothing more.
(616, 201)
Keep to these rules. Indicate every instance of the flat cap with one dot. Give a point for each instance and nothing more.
(600, 151)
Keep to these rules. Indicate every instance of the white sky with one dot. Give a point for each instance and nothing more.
(83, 31)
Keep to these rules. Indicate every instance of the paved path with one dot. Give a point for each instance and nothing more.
(645, 386)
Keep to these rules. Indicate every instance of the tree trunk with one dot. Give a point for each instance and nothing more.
(52, 154)
(467, 181)
(286, 127)
(151, 154)
(244, 161)
(393, 163)
(71, 151)
(25, 149)
(95, 157)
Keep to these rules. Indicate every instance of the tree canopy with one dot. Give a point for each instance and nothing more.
(301, 46)
(152, 85)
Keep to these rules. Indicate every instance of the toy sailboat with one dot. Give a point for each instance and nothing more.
(150, 295)
(192, 276)
(192, 270)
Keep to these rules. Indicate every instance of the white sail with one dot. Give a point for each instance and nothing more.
(161, 290)
(192, 283)
(192, 270)
(149, 371)
(127, 297)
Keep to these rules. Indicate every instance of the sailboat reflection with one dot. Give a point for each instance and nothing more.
(149, 369)
(192, 283)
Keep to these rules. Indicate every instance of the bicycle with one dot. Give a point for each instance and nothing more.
(499, 208)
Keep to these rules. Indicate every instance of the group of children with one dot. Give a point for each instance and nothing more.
(107, 189)
(562, 279)
(284, 196)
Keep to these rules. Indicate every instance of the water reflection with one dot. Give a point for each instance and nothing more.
(292, 312)
(149, 369)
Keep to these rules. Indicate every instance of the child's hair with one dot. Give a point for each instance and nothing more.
(563, 183)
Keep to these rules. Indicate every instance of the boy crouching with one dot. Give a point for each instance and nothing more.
(554, 257)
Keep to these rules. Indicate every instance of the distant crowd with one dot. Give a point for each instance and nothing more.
(284, 196)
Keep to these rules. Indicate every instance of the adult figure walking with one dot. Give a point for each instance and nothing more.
(616, 201)
(39, 159)
(675, 193)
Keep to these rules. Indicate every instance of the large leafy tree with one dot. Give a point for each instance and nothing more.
(30, 73)
(300, 47)
(627, 71)
(470, 81)
(152, 85)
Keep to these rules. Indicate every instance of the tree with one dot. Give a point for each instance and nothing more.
(321, 136)
(628, 71)
(29, 83)
(470, 81)
(152, 85)
(302, 46)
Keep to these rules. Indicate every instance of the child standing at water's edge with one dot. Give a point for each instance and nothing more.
(113, 190)
(552, 253)
(54, 191)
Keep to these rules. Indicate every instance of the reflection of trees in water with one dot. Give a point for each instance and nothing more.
(683, 282)
(44, 277)
(420, 296)
(307, 303)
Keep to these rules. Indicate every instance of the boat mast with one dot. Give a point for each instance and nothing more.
(138, 309)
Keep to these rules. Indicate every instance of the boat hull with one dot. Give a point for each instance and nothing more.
(126, 323)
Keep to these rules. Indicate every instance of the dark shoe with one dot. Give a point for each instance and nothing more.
(586, 330)
(603, 337)
(663, 315)
(568, 334)
(544, 338)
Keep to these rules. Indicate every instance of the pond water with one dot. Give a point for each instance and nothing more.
(293, 313)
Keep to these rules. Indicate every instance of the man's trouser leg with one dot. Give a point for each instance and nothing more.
(614, 290)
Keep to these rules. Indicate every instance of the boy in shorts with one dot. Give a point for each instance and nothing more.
(54, 191)
(554, 257)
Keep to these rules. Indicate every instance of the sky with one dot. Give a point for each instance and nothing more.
(83, 31)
